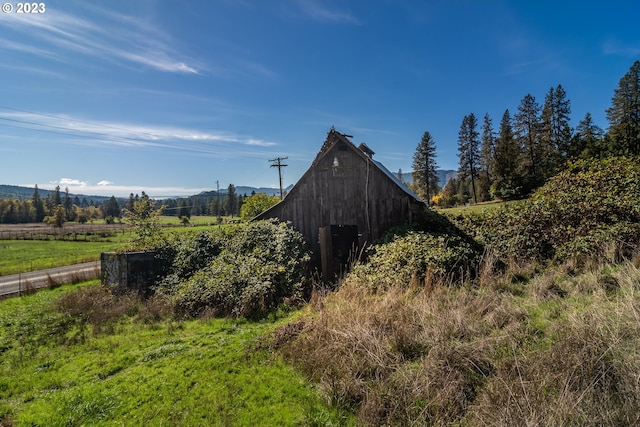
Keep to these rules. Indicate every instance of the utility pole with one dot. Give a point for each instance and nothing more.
(278, 164)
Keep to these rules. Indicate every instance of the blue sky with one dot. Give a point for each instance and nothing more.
(168, 97)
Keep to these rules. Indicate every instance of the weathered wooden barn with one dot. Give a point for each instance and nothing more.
(344, 201)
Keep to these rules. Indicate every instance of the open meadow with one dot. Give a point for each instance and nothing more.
(31, 247)
(80, 356)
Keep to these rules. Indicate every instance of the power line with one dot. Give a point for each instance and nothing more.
(278, 164)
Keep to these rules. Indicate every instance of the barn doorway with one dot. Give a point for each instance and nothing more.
(338, 249)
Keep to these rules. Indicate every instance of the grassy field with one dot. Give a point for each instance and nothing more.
(21, 256)
(71, 357)
(473, 209)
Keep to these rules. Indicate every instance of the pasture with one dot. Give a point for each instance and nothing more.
(31, 247)
(80, 356)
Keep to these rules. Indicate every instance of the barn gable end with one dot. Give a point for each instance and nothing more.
(344, 201)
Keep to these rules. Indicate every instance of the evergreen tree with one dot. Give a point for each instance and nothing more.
(468, 151)
(231, 201)
(425, 178)
(111, 208)
(624, 113)
(57, 200)
(588, 140)
(38, 205)
(527, 129)
(555, 133)
(68, 205)
(487, 157)
(507, 175)
(183, 209)
(130, 202)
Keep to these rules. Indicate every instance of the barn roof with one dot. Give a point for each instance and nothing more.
(333, 137)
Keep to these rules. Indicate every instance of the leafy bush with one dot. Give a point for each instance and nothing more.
(181, 257)
(591, 203)
(417, 257)
(261, 265)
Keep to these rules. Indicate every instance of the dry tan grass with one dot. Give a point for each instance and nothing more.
(99, 307)
(523, 348)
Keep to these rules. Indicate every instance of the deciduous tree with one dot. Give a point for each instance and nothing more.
(256, 204)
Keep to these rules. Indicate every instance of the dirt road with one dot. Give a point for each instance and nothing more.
(17, 284)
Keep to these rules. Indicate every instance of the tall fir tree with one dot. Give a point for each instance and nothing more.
(231, 201)
(425, 177)
(111, 208)
(487, 156)
(624, 113)
(588, 140)
(526, 125)
(68, 205)
(468, 151)
(38, 205)
(554, 132)
(57, 200)
(507, 165)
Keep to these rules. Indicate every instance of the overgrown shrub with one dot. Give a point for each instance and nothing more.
(180, 257)
(590, 203)
(261, 265)
(419, 258)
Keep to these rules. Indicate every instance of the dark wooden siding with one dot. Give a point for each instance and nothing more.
(345, 187)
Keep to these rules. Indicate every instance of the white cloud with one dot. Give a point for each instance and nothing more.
(104, 183)
(81, 132)
(71, 182)
(319, 12)
(115, 37)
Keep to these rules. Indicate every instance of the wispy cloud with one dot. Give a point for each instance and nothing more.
(615, 47)
(78, 131)
(115, 37)
(319, 11)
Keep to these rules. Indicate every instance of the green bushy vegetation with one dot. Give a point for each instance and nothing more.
(417, 258)
(82, 356)
(243, 271)
(579, 212)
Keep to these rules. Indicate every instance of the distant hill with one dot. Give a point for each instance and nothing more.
(26, 193)
(20, 193)
(242, 190)
(443, 176)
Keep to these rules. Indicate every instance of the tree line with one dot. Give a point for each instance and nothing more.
(531, 145)
(59, 207)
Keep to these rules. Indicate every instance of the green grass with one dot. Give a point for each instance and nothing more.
(56, 370)
(20, 256)
(473, 209)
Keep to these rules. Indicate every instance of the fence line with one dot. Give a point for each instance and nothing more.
(75, 232)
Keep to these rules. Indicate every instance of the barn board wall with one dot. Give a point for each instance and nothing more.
(356, 192)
